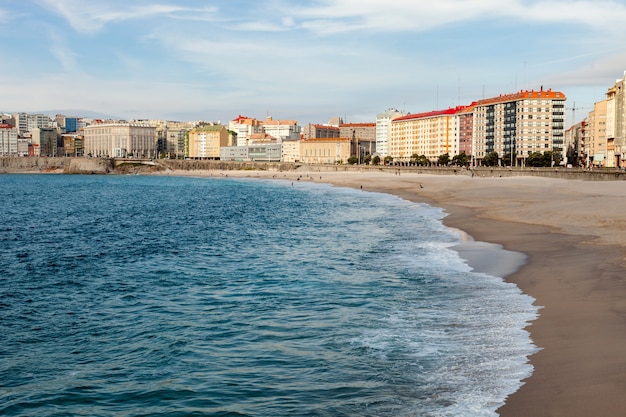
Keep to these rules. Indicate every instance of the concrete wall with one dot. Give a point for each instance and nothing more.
(103, 166)
(56, 165)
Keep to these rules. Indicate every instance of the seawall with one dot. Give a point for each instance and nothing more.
(69, 165)
(63, 165)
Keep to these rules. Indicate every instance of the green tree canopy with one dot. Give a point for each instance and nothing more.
(461, 159)
(491, 159)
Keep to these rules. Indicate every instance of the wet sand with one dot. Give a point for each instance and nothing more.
(573, 234)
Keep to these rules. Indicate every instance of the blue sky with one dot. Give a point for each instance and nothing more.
(307, 60)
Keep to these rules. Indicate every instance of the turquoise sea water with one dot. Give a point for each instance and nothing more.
(161, 296)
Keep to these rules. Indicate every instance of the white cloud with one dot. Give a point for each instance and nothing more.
(331, 16)
(93, 16)
(599, 72)
(62, 52)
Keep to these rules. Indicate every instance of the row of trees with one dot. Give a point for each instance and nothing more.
(535, 159)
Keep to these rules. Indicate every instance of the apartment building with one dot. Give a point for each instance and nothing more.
(8, 140)
(44, 141)
(325, 150)
(601, 150)
(516, 125)
(244, 127)
(363, 136)
(383, 129)
(466, 130)
(431, 134)
(574, 143)
(120, 140)
(206, 141)
(291, 151)
(616, 120)
(282, 129)
(172, 137)
(73, 144)
(313, 131)
(26, 122)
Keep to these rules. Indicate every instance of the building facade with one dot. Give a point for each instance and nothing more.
(259, 152)
(26, 122)
(362, 136)
(282, 129)
(172, 137)
(8, 140)
(73, 144)
(429, 134)
(616, 120)
(516, 125)
(206, 141)
(120, 140)
(325, 150)
(244, 127)
(601, 150)
(44, 141)
(383, 129)
(313, 131)
(291, 151)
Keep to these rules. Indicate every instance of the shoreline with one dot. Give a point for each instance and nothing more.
(570, 233)
(573, 236)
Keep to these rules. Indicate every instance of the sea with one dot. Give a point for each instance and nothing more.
(129, 295)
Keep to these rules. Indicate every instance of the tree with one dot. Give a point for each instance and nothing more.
(367, 159)
(444, 159)
(550, 157)
(388, 159)
(491, 159)
(461, 159)
(535, 159)
(376, 160)
(353, 160)
(423, 161)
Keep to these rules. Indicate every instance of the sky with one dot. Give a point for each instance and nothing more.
(307, 60)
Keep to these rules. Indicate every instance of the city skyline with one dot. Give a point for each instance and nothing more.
(190, 60)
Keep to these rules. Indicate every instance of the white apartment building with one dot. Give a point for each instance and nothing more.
(282, 129)
(120, 140)
(8, 140)
(27, 122)
(383, 129)
(244, 127)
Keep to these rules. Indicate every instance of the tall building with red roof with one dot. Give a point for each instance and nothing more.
(516, 125)
(430, 134)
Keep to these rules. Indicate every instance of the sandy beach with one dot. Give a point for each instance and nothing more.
(573, 234)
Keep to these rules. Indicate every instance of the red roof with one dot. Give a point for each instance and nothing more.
(448, 112)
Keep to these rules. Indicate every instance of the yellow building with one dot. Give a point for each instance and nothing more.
(598, 146)
(206, 141)
(430, 134)
(325, 150)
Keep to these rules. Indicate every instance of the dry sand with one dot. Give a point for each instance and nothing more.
(574, 236)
